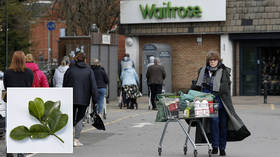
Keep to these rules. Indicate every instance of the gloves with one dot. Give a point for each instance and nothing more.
(216, 94)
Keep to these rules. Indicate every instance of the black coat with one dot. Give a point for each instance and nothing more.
(100, 76)
(236, 130)
(17, 79)
(81, 78)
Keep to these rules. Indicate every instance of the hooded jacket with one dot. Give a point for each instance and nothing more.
(58, 75)
(43, 82)
(129, 77)
(100, 76)
(81, 78)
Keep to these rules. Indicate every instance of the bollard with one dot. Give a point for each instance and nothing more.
(265, 91)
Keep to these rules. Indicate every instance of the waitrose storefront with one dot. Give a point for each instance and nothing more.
(191, 28)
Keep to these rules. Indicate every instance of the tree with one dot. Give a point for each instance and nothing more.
(19, 15)
(80, 15)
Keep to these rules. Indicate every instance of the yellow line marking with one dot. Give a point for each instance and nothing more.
(118, 120)
(272, 106)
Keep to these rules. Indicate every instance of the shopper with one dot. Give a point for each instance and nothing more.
(126, 62)
(81, 78)
(214, 78)
(155, 76)
(17, 75)
(60, 71)
(39, 78)
(101, 82)
(130, 83)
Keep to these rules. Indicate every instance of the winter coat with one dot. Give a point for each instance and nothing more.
(236, 130)
(58, 75)
(100, 76)
(155, 74)
(81, 78)
(41, 77)
(17, 79)
(129, 77)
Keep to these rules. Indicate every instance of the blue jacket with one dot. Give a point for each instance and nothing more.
(129, 77)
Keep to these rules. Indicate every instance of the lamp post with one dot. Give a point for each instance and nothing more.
(7, 15)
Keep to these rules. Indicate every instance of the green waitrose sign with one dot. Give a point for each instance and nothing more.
(167, 11)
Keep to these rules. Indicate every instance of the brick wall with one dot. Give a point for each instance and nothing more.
(187, 55)
(121, 48)
(39, 38)
(242, 16)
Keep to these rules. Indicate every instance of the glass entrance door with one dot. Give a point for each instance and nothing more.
(249, 71)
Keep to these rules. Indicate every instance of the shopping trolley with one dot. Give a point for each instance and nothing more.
(174, 114)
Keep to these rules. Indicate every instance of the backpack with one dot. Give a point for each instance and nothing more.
(36, 79)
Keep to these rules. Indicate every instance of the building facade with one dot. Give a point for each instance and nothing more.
(245, 32)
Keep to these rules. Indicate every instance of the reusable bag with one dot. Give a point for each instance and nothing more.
(161, 117)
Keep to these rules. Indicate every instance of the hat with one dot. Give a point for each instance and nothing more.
(29, 58)
(96, 61)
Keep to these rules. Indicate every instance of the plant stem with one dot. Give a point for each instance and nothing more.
(58, 137)
(50, 131)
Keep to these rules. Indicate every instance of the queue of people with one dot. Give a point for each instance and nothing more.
(90, 83)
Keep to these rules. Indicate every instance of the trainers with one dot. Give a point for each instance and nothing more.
(222, 152)
(215, 150)
(77, 143)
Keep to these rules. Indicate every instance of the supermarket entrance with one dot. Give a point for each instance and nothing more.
(256, 65)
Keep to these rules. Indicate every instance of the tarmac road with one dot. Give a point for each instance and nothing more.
(133, 133)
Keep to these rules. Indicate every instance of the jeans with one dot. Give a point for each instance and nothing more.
(219, 129)
(100, 101)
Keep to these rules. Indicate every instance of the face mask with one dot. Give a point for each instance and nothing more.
(125, 58)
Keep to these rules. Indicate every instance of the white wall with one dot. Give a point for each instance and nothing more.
(226, 48)
(132, 48)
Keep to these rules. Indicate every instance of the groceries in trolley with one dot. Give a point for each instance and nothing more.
(200, 108)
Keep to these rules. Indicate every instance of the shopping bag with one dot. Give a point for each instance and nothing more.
(201, 95)
(97, 121)
(161, 117)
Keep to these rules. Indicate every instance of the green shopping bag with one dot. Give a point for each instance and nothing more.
(161, 117)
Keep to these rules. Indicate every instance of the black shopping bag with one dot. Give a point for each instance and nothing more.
(97, 121)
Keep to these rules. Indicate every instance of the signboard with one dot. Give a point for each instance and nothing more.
(106, 39)
(18, 111)
(51, 26)
(167, 11)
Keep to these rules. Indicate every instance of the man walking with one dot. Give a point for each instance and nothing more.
(81, 78)
(155, 76)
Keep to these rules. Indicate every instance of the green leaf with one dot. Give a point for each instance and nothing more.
(20, 133)
(37, 108)
(39, 131)
(49, 107)
(57, 120)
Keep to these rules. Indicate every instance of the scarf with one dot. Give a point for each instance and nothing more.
(215, 79)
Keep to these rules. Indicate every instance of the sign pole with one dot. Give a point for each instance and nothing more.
(48, 50)
(7, 46)
(51, 47)
(51, 27)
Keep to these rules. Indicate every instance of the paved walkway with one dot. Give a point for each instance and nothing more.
(143, 105)
(237, 100)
